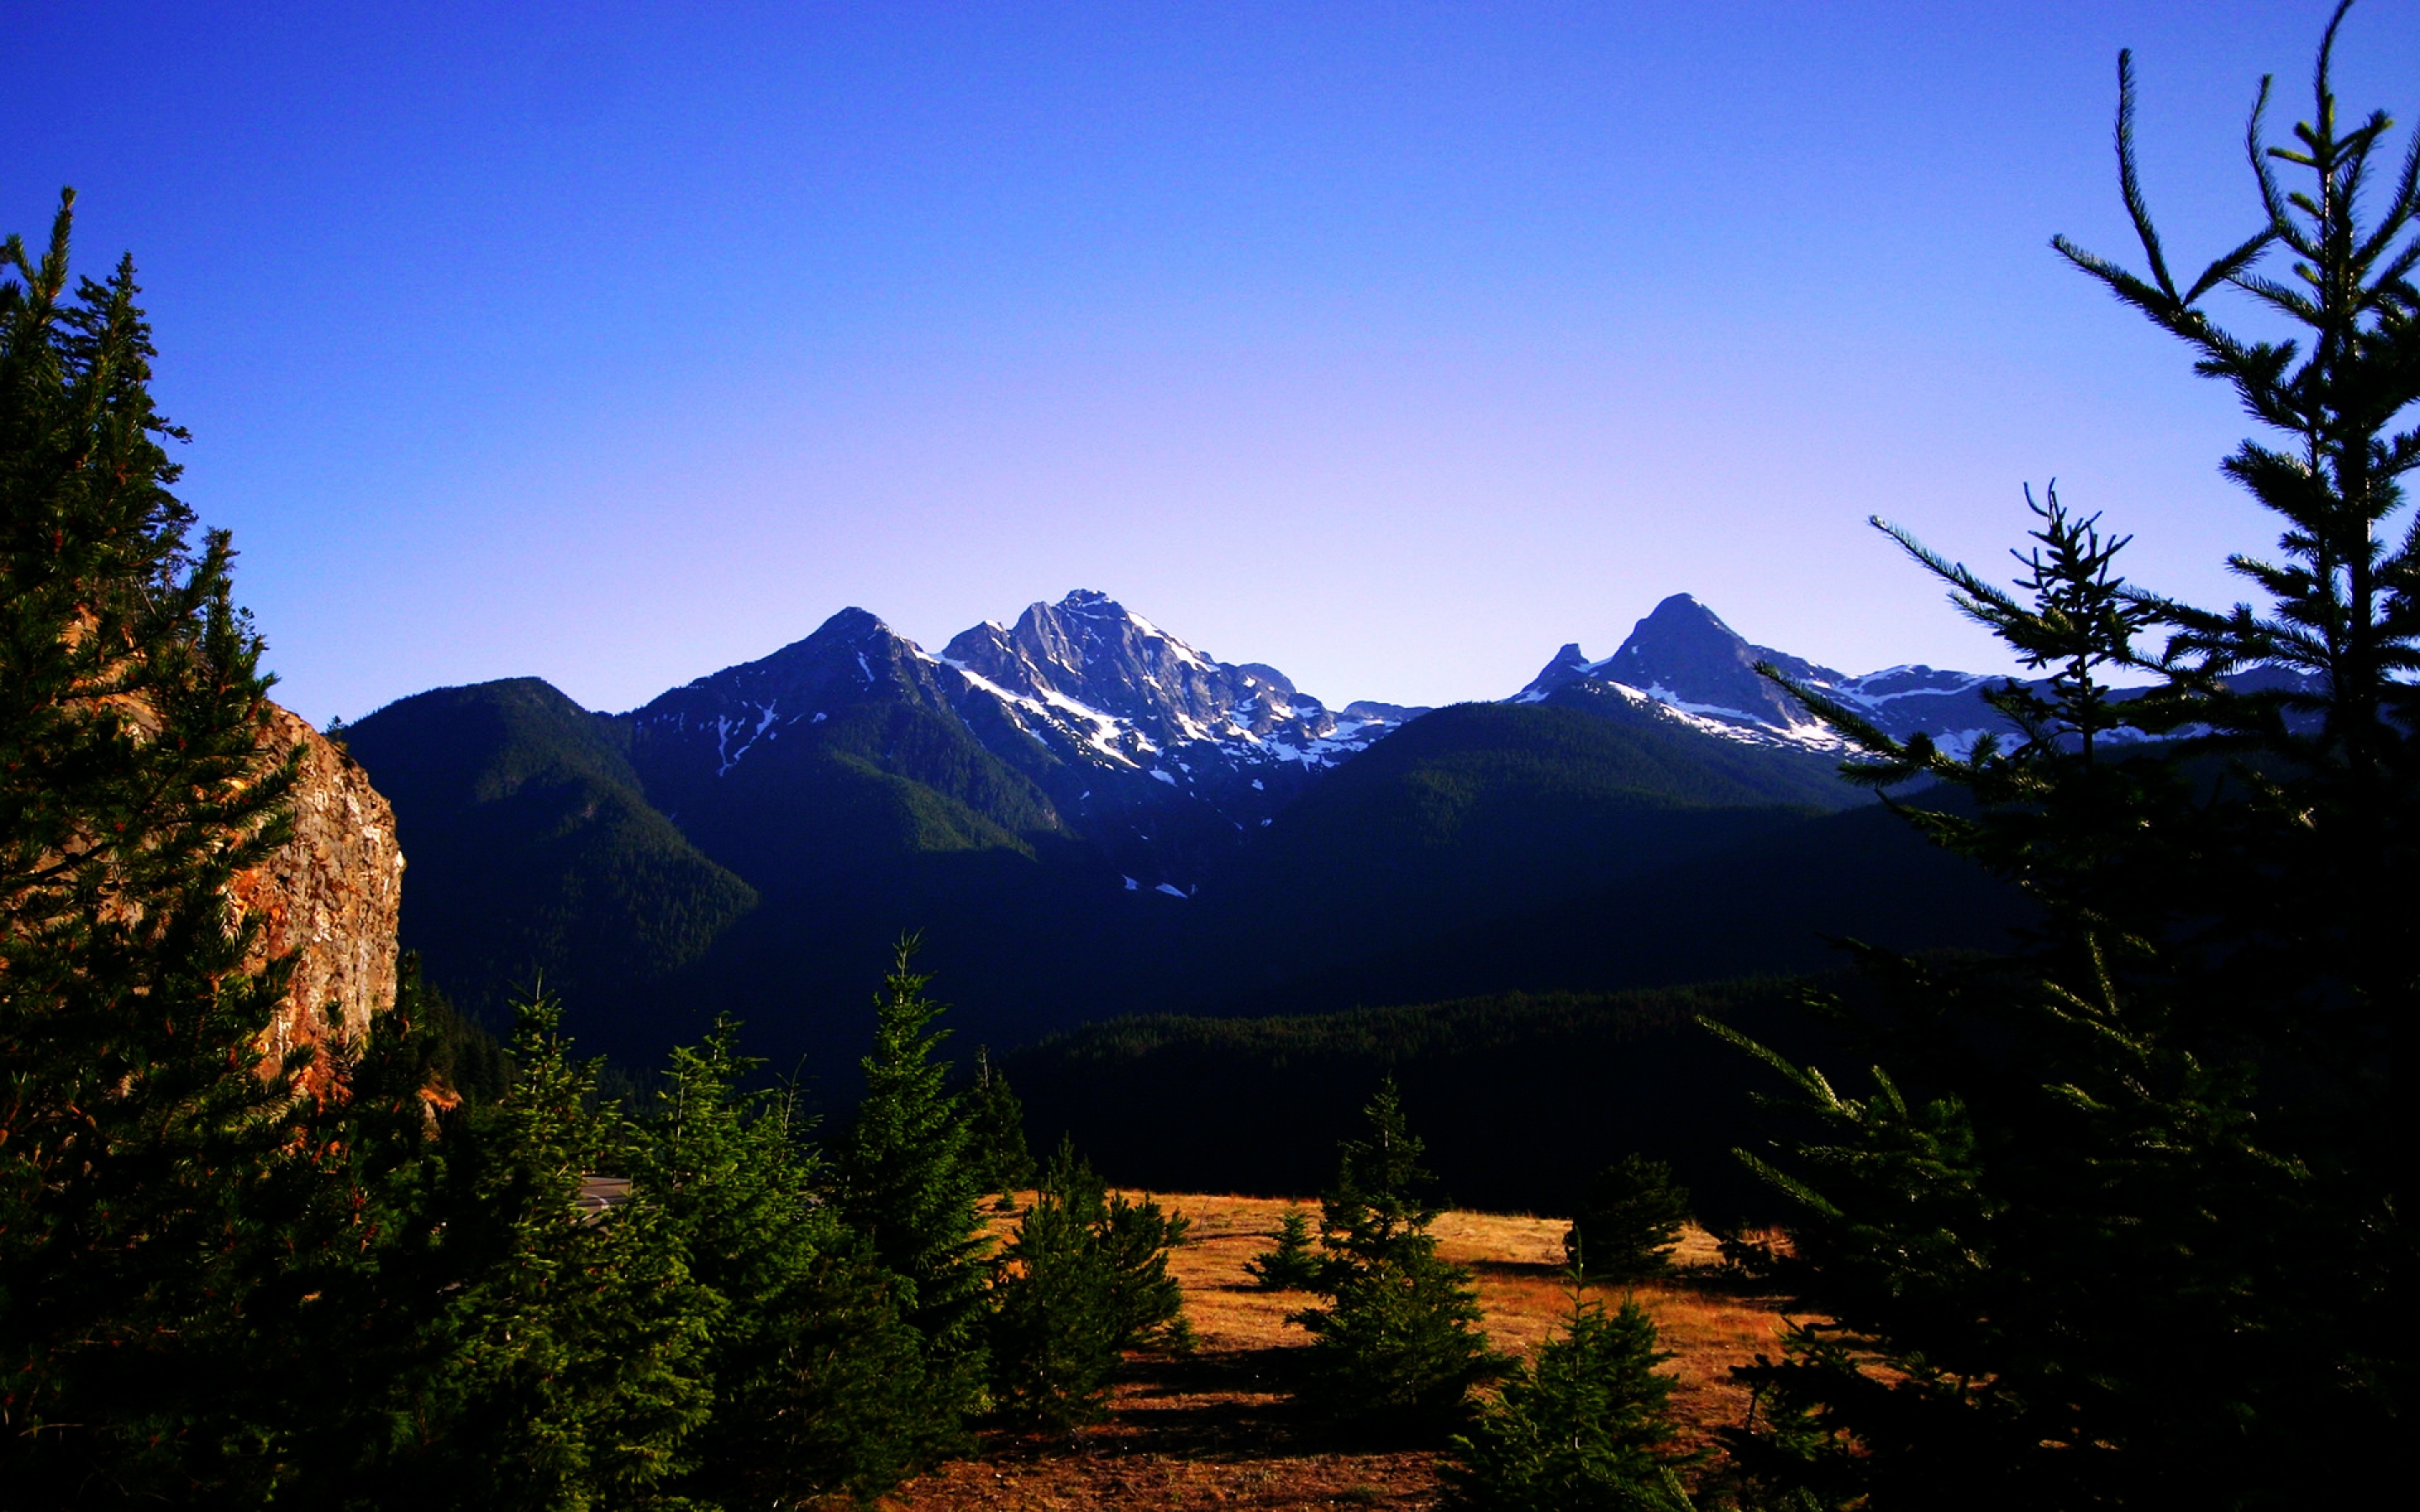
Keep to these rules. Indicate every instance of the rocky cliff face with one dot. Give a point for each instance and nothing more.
(328, 900)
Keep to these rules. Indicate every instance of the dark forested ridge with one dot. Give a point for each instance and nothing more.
(534, 850)
(1521, 1096)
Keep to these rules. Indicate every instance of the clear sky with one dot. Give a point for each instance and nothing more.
(1393, 344)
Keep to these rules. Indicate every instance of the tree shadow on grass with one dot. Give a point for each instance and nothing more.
(1236, 1406)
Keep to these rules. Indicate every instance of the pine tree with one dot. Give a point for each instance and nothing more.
(1584, 1427)
(1085, 1279)
(818, 1382)
(1137, 1239)
(2115, 1223)
(1399, 1340)
(1290, 1264)
(1628, 1222)
(146, 1173)
(1056, 1330)
(909, 1181)
(566, 1366)
(996, 1125)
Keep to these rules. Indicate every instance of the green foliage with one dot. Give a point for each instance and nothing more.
(1628, 1221)
(1136, 1239)
(1399, 1341)
(819, 1383)
(1290, 1265)
(569, 1364)
(1583, 1428)
(1084, 1278)
(996, 1130)
(217, 1292)
(463, 1057)
(146, 1177)
(1054, 1334)
(2115, 1224)
(908, 1179)
(534, 851)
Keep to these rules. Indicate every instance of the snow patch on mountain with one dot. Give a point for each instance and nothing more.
(1134, 695)
(1698, 671)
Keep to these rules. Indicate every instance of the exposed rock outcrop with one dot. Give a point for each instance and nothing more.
(329, 899)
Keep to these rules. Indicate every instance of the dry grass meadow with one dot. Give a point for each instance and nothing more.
(1218, 1429)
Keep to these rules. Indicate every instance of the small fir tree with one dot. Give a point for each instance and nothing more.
(567, 1363)
(1055, 1328)
(1085, 1279)
(909, 1183)
(1584, 1427)
(1137, 1239)
(1399, 1340)
(1291, 1265)
(1628, 1222)
(996, 1122)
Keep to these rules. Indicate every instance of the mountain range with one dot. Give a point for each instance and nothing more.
(1087, 816)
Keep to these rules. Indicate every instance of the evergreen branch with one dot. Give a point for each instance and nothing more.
(1805, 1079)
(2226, 268)
(2400, 208)
(1805, 1194)
(2130, 186)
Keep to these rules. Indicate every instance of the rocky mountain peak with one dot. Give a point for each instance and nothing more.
(705, 727)
(1090, 650)
(1684, 654)
(844, 656)
(1569, 663)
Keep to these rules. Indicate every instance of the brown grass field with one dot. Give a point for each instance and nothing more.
(1218, 1429)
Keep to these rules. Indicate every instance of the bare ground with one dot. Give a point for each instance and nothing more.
(1218, 1428)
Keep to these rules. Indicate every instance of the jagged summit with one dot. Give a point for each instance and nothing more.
(1683, 660)
(1085, 713)
(1684, 654)
(1091, 656)
(1093, 650)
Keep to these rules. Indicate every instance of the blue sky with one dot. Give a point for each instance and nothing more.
(1393, 345)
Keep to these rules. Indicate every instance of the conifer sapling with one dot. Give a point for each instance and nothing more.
(1291, 1265)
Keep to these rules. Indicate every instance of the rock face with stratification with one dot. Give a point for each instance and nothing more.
(329, 899)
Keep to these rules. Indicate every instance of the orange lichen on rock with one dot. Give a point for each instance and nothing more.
(328, 900)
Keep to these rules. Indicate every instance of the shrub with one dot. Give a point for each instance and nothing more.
(1085, 1278)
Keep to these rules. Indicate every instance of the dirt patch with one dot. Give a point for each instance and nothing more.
(1219, 1429)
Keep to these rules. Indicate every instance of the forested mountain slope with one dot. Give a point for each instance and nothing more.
(533, 849)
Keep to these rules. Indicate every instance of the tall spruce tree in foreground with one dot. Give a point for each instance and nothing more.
(2115, 1224)
(1398, 1343)
(146, 1174)
(1585, 1426)
(909, 1183)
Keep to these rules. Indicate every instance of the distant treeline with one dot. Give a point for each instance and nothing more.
(1520, 1097)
